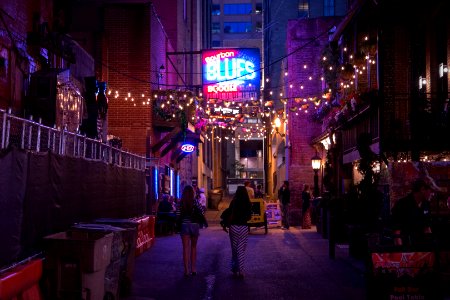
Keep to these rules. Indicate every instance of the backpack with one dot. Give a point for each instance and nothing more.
(225, 218)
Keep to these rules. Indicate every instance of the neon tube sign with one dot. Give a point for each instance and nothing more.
(230, 71)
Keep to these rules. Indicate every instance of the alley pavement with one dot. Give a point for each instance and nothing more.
(282, 264)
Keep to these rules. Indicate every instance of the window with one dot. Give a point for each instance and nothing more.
(258, 27)
(237, 27)
(216, 44)
(215, 11)
(303, 8)
(258, 8)
(328, 8)
(237, 9)
(215, 28)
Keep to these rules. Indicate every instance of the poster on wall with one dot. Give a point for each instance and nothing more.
(231, 74)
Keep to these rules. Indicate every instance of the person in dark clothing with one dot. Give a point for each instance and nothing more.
(306, 207)
(411, 220)
(165, 206)
(241, 212)
(284, 195)
(258, 192)
(166, 214)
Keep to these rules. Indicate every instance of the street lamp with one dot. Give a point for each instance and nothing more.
(316, 161)
(277, 124)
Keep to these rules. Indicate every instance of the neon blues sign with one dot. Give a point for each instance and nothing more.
(188, 148)
(228, 71)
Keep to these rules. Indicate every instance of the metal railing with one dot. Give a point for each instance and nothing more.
(33, 136)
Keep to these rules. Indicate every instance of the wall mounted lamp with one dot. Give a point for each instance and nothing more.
(443, 69)
(316, 162)
(422, 82)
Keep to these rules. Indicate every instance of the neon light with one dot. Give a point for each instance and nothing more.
(178, 187)
(231, 70)
(188, 148)
(172, 179)
(155, 182)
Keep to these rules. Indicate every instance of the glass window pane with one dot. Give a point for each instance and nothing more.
(237, 9)
(303, 8)
(215, 11)
(215, 28)
(237, 27)
(328, 8)
(258, 8)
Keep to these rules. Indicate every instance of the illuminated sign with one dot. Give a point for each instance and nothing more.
(188, 148)
(227, 111)
(228, 72)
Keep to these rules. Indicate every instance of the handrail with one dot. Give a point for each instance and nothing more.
(34, 136)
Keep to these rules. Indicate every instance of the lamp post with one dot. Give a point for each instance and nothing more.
(316, 161)
(277, 124)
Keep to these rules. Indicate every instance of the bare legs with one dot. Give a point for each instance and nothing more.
(189, 253)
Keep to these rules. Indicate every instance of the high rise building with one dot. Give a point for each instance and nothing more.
(238, 25)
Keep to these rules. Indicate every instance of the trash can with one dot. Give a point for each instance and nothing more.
(128, 251)
(76, 263)
(215, 196)
(116, 270)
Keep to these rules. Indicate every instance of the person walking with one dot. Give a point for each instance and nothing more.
(202, 200)
(190, 215)
(284, 196)
(306, 207)
(258, 192)
(250, 190)
(241, 212)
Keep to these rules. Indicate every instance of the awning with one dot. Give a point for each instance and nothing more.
(173, 141)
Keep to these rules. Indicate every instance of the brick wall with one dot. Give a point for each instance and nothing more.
(126, 48)
(301, 130)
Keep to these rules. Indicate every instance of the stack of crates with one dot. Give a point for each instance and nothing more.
(75, 264)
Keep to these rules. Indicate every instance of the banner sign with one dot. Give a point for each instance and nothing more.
(404, 275)
(231, 73)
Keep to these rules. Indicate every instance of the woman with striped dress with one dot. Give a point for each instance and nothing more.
(241, 212)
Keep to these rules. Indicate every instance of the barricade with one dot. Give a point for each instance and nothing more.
(145, 233)
(22, 281)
